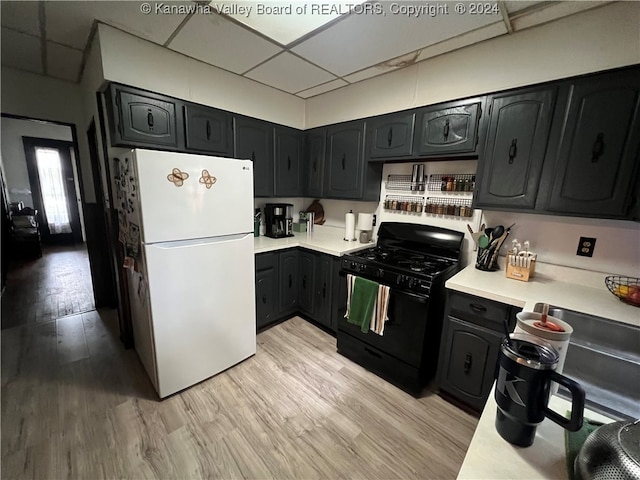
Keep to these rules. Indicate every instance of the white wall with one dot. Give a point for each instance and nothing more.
(35, 96)
(13, 157)
(594, 40)
(132, 61)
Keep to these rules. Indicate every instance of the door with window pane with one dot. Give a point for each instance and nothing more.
(53, 189)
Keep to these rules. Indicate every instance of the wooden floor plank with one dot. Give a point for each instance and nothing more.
(297, 409)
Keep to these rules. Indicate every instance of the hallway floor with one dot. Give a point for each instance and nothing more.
(44, 289)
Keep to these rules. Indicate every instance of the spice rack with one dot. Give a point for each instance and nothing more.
(459, 182)
(404, 182)
(404, 203)
(449, 206)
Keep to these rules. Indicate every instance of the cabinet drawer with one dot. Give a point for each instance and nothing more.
(265, 261)
(480, 311)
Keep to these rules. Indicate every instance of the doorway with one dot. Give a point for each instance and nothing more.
(53, 189)
(41, 172)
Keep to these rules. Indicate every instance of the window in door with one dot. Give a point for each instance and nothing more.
(54, 196)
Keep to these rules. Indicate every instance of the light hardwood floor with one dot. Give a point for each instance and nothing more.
(75, 405)
(43, 289)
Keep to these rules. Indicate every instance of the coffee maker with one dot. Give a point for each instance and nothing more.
(279, 220)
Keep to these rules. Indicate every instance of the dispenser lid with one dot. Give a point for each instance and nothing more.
(530, 351)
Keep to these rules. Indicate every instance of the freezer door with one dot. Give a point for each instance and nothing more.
(183, 196)
(202, 308)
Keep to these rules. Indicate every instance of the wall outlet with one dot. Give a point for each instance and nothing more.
(374, 220)
(586, 246)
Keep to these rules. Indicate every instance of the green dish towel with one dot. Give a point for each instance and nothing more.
(573, 441)
(363, 302)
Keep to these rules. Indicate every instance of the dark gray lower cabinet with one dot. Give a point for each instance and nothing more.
(299, 281)
(306, 290)
(266, 289)
(288, 281)
(471, 336)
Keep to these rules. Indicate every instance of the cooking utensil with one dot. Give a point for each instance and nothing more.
(476, 236)
(611, 451)
(483, 241)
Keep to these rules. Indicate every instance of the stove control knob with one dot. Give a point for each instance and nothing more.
(380, 273)
(352, 265)
(362, 267)
(411, 282)
(399, 279)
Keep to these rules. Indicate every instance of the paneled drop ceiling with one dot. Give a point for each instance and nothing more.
(333, 45)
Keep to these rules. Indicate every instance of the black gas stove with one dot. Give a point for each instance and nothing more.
(407, 256)
(414, 261)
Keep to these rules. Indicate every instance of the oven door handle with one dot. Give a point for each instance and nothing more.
(416, 296)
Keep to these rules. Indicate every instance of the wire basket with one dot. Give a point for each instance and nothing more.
(626, 289)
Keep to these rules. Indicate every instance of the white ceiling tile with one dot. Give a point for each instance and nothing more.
(69, 23)
(220, 42)
(63, 62)
(326, 87)
(364, 40)
(552, 11)
(21, 16)
(285, 21)
(21, 51)
(289, 73)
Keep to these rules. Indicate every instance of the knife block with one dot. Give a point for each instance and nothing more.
(521, 273)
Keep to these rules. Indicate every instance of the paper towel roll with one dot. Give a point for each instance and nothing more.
(365, 221)
(350, 227)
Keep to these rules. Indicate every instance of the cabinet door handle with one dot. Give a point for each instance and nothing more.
(288, 162)
(445, 130)
(290, 281)
(315, 164)
(598, 148)
(513, 150)
(208, 130)
(150, 119)
(304, 281)
(478, 308)
(324, 290)
(253, 156)
(390, 136)
(467, 363)
(264, 299)
(344, 160)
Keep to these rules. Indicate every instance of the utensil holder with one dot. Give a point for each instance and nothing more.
(486, 260)
(521, 273)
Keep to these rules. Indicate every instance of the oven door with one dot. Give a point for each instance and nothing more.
(404, 332)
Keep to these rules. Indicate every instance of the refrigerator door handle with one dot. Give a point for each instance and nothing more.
(200, 241)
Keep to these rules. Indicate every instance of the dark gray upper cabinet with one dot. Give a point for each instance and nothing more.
(288, 162)
(347, 175)
(596, 163)
(391, 135)
(208, 130)
(315, 146)
(345, 144)
(449, 128)
(253, 140)
(140, 118)
(514, 150)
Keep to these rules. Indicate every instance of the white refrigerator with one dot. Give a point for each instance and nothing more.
(189, 226)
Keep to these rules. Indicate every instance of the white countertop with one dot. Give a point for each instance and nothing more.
(569, 288)
(322, 239)
(491, 457)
